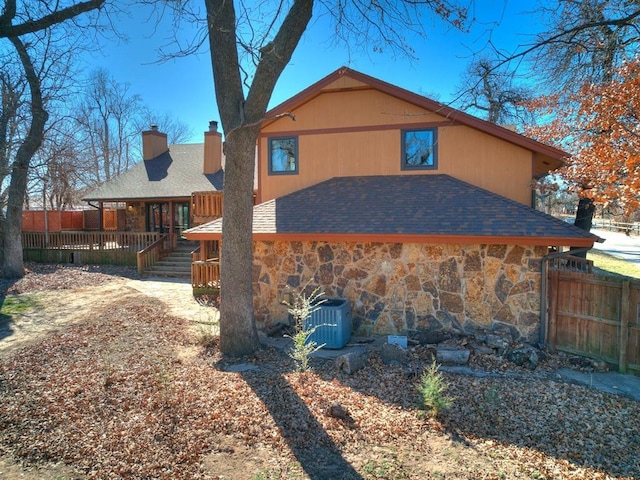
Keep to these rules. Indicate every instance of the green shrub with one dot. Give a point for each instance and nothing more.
(301, 307)
(432, 389)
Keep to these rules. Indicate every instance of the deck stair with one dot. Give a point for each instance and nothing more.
(177, 264)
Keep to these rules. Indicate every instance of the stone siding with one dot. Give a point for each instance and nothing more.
(396, 288)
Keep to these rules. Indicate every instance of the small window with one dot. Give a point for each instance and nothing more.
(283, 155)
(419, 149)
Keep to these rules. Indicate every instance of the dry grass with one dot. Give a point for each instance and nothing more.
(610, 265)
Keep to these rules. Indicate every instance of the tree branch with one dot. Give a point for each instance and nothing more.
(8, 30)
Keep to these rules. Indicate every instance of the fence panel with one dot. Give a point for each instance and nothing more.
(595, 316)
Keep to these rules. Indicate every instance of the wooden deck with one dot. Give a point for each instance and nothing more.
(115, 248)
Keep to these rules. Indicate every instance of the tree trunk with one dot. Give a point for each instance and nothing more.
(238, 334)
(13, 264)
(584, 218)
(241, 121)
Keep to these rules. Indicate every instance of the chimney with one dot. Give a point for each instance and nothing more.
(212, 149)
(154, 143)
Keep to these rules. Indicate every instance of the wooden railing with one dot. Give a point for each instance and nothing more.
(130, 241)
(116, 248)
(571, 263)
(205, 275)
(207, 204)
(152, 253)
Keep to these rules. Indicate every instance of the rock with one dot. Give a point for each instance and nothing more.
(351, 362)
(525, 356)
(393, 354)
(340, 412)
(600, 365)
(426, 337)
(452, 357)
(482, 350)
(496, 341)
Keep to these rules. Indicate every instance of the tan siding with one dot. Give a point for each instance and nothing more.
(354, 108)
(330, 144)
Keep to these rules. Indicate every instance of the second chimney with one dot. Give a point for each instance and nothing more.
(154, 143)
(212, 149)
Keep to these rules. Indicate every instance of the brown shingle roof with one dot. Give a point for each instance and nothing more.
(176, 173)
(404, 207)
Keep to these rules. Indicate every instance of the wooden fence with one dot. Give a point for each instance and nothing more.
(117, 248)
(595, 316)
(52, 220)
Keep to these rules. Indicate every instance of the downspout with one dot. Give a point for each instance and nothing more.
(544, 270)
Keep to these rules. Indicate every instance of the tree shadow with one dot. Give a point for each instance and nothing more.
(503, 407)
(317, 454)
(5, 322)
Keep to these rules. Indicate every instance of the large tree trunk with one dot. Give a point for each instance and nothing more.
(238, 334)
(241, 121)
(584, 218)
(13, 264)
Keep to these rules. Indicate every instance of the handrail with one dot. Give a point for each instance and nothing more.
(205, 275)
(151, 253)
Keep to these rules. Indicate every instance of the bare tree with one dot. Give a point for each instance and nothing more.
(494, 93)
(177, 130)
(22, 22)
(107, 127)
(585, 41)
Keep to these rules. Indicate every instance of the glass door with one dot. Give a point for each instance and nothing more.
(158, 217)
(180, 217)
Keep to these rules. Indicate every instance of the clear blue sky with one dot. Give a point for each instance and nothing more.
(184, 86)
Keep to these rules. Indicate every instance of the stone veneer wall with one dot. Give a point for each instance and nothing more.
(395, 288)
(136, 221)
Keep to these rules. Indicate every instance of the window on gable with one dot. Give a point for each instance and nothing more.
(283, 155)
(419, 149)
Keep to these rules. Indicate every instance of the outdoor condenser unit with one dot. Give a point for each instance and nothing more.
(333, 321)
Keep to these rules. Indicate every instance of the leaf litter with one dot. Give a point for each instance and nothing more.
(130, 393)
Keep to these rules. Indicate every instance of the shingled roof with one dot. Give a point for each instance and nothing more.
(176, 173)
(419, 208)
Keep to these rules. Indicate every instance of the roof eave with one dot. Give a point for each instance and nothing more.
(585, 242)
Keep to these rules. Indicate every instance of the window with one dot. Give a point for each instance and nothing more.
(283, 155)
(419, 149)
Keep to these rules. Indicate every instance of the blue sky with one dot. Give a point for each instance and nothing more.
(184, 86)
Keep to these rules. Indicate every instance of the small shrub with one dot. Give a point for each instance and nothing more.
(432, 389)
(301, 307)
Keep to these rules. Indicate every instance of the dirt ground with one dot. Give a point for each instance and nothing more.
(109, 376)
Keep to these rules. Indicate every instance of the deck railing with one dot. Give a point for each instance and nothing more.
(207, 205)
(571, 263)
(152, 253)
(128, 241)
(205, 275)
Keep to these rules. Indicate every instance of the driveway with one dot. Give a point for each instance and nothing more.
(619, 245)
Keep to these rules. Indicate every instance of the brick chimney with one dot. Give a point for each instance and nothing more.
(212, 149)
(154, 143)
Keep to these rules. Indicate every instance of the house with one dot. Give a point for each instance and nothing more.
(419, 214)
(173, 188)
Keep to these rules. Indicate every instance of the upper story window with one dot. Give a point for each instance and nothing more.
(283, 155)
(419, 149)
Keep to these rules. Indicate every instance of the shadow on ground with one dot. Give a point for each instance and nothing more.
(317, 454)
